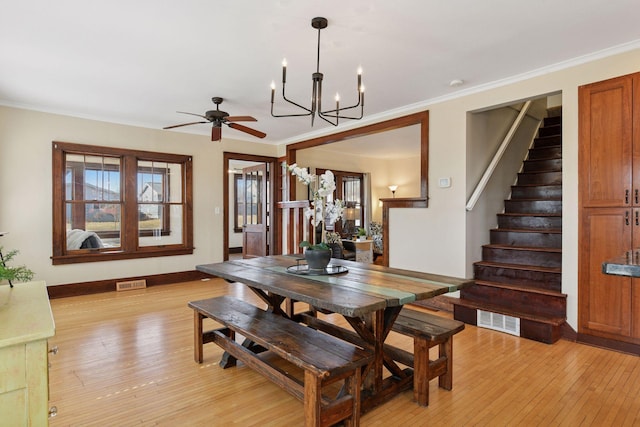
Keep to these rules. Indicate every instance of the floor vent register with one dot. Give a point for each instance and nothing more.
(499, 322)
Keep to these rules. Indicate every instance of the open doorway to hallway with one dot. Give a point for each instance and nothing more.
(248, 205)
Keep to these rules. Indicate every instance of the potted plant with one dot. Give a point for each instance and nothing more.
(362, 233)
(321, 212)
(18, 274)
(317, 255)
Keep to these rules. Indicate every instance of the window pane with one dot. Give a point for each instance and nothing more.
(101, 225)
(175, 183)
(92, 178)
(150, 216)
(151, 230)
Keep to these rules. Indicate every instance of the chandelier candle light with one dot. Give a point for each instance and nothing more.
(330, 116)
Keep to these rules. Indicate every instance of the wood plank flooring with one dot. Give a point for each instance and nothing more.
(126, 359)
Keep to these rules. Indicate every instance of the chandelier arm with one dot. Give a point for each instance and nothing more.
(322, 116)
(341, 108)
(337, 115)
(308, 112)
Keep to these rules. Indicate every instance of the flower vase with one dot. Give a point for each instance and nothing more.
(317, 259)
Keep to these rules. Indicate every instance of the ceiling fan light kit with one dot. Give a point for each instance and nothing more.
(217, 118)
(330, 116)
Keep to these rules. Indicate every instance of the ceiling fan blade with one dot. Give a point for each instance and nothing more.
(216, 133)
(240, 119)
(193, 114)
(250, 131)
(183, 124)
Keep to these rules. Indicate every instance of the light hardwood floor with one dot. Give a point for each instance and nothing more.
(126, 359)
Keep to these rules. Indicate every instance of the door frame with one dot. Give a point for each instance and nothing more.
(272, 165)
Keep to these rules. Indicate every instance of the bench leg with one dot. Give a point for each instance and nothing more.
(312, 400)
(445, 349)
(197, 336)
(353, 385)
(421, 371)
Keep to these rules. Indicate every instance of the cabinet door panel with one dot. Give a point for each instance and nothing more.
(605, 300)
(605, 151)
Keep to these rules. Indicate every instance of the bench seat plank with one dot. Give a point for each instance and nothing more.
(413, 322)
(321, 353)
(429, 330)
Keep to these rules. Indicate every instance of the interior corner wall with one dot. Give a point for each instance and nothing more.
(26, 187)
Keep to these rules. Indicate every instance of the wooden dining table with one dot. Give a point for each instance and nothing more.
(368, 296)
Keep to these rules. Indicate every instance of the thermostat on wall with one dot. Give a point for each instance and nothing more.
(444, 182)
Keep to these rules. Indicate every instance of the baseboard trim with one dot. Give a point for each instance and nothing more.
(99, 286)
(609, 344)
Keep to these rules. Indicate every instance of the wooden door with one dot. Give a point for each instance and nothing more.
(255, 226)
(605, 300)
(605, 151)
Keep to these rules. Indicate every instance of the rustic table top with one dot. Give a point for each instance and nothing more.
(362, 289)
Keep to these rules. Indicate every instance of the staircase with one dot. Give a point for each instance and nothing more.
(520, 272)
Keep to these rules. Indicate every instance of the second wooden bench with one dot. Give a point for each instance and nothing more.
(429, 330)
(324, 358)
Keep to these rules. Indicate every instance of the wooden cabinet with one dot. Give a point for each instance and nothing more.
(609, 147)
(609, 184)
(26, 323)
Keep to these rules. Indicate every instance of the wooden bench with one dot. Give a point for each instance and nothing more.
(324, 358)
(429, 330)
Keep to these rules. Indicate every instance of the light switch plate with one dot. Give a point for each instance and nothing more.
(444, 182)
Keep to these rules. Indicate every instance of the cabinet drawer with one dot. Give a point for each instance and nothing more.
(13, 407)
(12, 368)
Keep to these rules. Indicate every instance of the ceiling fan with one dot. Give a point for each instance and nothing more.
(218, 117)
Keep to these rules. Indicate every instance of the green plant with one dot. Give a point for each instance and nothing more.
(322, 246)
(362, 232)
(19, 274)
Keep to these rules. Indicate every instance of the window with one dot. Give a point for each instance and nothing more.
(111, 203)
(238, 195)
(349, 189)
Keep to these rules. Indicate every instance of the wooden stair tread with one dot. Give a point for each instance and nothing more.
(530, 230)
(523, 248)
(536, 199)
(540, 171)
(536, 185)
(537, 172)
(555, 321)
(523, 288)
(542, 214)
(520, 267)
(546, 146)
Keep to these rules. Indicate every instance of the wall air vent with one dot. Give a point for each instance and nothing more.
(131, 284)
(499, 322)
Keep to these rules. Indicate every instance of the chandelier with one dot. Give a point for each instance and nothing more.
(330, 116)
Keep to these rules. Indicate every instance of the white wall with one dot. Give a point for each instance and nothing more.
(25, 190)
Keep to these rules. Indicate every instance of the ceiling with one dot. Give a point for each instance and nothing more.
(138, 62)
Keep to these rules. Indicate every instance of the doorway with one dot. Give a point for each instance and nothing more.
(248, 196)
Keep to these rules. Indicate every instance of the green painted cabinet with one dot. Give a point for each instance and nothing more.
(26, 323)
